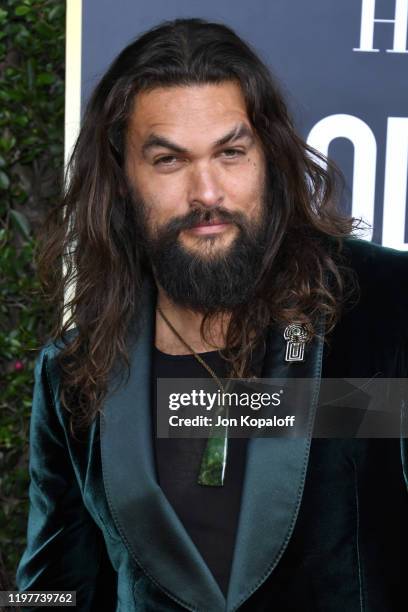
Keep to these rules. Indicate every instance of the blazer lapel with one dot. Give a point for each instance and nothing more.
(274, 479)
(148, 525)
(150, 529)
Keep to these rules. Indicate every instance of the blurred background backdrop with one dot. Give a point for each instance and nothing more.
(32, 69)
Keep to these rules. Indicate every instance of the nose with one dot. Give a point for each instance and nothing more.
(204, 187)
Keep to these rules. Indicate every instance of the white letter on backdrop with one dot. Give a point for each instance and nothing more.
(395, 183)
(365, 158)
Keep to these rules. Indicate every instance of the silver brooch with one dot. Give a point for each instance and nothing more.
(296, 336)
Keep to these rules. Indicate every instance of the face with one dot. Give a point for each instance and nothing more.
(196, 170)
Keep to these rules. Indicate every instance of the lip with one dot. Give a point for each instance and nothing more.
(210, 228)
(213, 227)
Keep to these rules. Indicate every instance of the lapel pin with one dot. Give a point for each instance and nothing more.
(296, 336)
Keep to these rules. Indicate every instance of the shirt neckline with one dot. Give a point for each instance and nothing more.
(168, 356)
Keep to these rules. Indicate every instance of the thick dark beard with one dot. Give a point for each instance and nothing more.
(210, 283)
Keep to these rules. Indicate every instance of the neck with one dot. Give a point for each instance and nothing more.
(187, 322)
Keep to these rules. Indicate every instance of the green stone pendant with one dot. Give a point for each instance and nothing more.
(214, 460)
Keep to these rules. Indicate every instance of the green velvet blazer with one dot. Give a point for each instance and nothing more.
(323, 524)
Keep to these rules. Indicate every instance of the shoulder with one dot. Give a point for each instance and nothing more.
(381, 274)
(47, 414)
(46, 364)
(379, 270)
(375, 263)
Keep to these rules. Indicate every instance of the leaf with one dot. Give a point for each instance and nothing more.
(56, 12)
(22, 35)
(21, 222)
(21, 120)
(44, 30)
(45, 78)
(22, 10)
(7, 143)
(4, 180)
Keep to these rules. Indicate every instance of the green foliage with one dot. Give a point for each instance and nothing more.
(32, 46)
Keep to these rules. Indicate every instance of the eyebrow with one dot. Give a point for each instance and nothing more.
(239, 131)
(155, 140)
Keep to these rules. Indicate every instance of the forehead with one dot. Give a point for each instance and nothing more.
(187, 112)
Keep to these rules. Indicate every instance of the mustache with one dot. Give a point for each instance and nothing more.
(198, 216)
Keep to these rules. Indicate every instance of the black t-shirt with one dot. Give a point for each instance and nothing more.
(209, 514)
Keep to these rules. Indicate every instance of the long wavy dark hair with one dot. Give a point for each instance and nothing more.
(91, 241)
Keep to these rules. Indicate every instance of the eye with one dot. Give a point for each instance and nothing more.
(233, 153)
(166, 160)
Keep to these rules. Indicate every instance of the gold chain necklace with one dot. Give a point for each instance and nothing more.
(214, 459)
(203, 363)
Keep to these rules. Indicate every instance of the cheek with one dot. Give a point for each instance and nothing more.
(164, 203)
(247, 186)
(161, 192)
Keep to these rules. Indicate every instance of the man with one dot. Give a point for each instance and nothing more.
(202, 232)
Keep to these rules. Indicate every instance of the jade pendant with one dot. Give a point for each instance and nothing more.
(214, 459)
